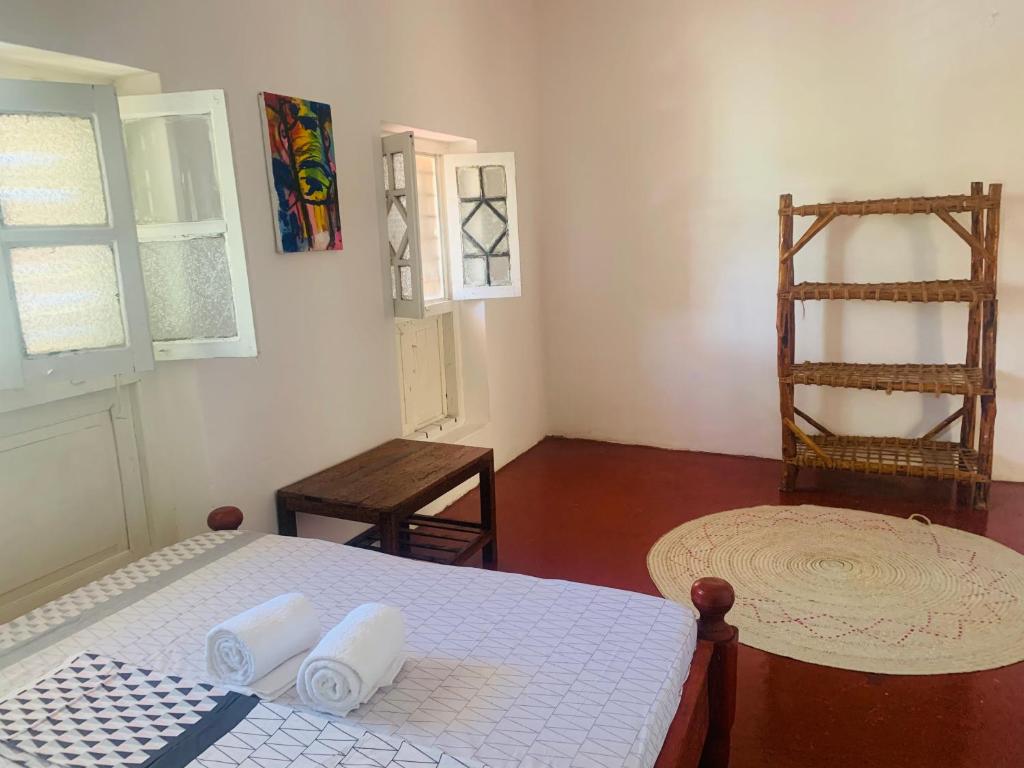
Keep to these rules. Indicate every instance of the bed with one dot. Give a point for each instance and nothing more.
(504, 670)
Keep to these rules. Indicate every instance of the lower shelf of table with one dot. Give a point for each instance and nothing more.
(436, 540)
(891, 456)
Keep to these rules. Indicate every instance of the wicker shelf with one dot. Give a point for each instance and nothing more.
(892, 456)
(968, 461)
(926, 291)
(930, 379)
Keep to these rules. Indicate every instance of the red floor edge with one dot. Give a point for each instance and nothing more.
(590, 511)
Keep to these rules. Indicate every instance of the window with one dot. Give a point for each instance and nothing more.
(450, 235)
(444, 244)
(483, 236)
(189, 228)
(71, 290)
(90, 285)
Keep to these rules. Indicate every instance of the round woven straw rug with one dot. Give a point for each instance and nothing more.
(855, 590)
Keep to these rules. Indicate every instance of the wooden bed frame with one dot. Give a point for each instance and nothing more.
(699, 735)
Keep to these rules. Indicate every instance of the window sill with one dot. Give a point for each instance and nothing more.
(448, 431)
(439, 307)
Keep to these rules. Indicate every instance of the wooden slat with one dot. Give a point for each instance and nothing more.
(785, 325)
(892, 456)
(973, 356)
(973, 291)
(967, 237)
(954, 379)
(824, 430)
(938, 428)
(444, 522)
(896, 205)
(424, 533)
(413, 543)
(816, 226)
(803, 438)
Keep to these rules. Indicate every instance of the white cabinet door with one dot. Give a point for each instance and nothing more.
(71, 503)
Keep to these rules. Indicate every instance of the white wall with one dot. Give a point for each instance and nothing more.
(670, 130)
(325, 383)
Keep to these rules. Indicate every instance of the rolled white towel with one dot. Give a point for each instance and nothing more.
(358, 656)
(246, 647)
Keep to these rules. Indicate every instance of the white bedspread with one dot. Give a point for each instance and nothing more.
(504, 669)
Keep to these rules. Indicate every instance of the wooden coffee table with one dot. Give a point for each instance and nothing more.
(387, 486)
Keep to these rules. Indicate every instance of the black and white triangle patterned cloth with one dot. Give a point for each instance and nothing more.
(99, 712)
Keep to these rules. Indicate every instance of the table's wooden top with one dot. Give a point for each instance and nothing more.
(389, 476)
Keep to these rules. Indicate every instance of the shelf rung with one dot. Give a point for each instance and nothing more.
(924, 291)
(930, 379)
(950, 203)
(891, 456)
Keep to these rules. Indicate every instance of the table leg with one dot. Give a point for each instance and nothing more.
(286, 525)
(388, 527)
(488, 516)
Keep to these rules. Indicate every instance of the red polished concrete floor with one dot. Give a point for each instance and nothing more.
(589, 511)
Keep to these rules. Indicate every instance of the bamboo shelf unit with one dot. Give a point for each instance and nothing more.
(968, 461)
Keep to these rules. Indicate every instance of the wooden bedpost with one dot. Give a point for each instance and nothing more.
(224, 519)
(713, 598)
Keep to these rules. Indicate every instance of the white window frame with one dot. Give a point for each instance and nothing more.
(460, 291)
(98, 103)
(403, 144)
(212, 104)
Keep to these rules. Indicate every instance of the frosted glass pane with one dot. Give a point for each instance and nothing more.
(500, 270)
(494, 181)
(470, 248)
(485, 227)
(396, 225)
(387, 181)
(398, 161)
(188, 287)
(466, 210)
(394, 283)
(474, 272)
(468, 182)
(405, 274)
(172, 170)
(502, 247)
(49, 171)
(68, 298)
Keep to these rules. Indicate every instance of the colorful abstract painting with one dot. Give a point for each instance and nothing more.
(303, 178)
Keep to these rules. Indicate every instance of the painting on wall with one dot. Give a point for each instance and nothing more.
(299, 139)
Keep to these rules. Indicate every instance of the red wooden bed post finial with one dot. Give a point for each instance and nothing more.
(224, 519)
(713, 598)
